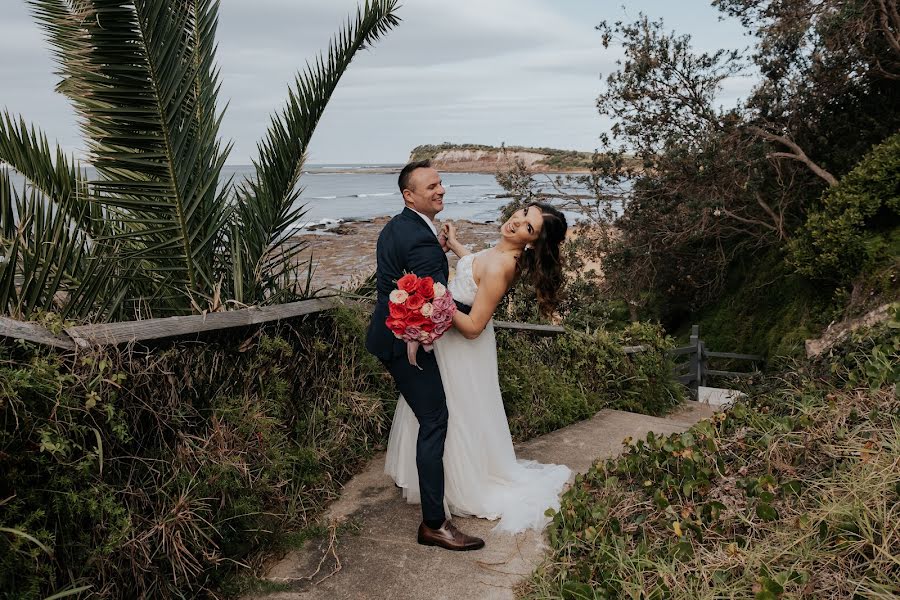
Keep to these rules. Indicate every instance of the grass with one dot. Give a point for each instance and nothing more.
(793, 493)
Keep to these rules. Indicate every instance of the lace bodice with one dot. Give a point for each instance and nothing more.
(463, 286)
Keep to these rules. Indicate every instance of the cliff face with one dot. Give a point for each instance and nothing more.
(485, 159)
(482, 160)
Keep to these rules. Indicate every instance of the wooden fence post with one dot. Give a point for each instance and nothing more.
(702, 365)
(695, 357)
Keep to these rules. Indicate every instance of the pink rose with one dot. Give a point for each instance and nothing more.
(412, 333)
(444, 302)
(442, 316)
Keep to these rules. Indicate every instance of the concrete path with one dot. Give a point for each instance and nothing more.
(383, 560)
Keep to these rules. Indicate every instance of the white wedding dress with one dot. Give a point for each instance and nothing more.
(482, 477)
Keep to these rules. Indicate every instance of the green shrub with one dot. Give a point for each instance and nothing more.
(152, 472)
(155, 471)
(791, 493)
(853, 229)
(548, 383)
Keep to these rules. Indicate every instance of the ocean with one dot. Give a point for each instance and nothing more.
(335, 193)
(346, 196)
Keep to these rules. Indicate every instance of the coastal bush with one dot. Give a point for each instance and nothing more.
(793, 492)
(548, 383)
(856, 228)
(174, 469)
(766, 308)
(159, 471)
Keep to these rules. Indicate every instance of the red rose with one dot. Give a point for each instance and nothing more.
(414, 302)
(407, 283)
(416, 319)
(395, 325)
(398, 311)
(425, 287)
(427, 325)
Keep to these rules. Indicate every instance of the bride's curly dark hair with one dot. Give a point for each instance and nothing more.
(541, 264)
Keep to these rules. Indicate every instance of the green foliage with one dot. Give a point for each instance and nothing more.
(554, 158)
(157, 231)
(766, 309)
(154, 472)
(792, 492)
(721, 188)
(856, 227)
(549, 383)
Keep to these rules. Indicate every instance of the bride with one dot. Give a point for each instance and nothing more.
(482, 476)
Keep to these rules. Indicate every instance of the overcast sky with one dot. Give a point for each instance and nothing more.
(523, 72)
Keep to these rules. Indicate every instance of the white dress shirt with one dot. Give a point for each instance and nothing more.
(426, 219)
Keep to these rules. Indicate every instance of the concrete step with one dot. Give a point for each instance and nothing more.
(383, 560)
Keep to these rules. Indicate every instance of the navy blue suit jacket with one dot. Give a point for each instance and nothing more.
(405, 245)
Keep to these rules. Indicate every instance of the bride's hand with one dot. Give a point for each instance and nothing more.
(449, 230)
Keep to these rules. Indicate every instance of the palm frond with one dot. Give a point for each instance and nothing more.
(141, 75)
(51, 172)
(267, 202)
(49, 263)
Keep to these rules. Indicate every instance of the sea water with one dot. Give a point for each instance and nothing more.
(335, 193)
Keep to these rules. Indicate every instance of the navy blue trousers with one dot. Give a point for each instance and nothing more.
(424, 393)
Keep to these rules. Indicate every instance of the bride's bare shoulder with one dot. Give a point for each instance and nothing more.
(496, 264)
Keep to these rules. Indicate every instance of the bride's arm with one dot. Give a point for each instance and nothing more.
(449, 231)
(495, 281)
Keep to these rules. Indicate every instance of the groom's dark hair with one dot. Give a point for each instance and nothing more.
(406, 172)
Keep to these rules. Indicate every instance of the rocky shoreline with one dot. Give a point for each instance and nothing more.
(344, 256)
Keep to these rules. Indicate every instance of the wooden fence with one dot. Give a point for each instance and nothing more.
(692, 373)
(695, 371)
(101, 334)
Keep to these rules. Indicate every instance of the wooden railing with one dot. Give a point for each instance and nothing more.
(691, 373)
(695, 371)
(125, 332)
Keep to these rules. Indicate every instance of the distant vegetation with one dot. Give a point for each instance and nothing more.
(555, 159)
(762, 222)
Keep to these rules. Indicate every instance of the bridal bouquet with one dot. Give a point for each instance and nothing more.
(420, 312)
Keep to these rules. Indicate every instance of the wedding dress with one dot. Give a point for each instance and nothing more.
(482, 477)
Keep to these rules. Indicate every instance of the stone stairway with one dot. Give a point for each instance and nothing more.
(382, 559)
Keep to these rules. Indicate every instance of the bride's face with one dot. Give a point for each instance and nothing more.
(524, 226)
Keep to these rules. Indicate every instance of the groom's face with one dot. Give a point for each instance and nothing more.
(425, 193)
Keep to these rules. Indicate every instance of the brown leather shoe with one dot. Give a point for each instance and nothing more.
(448, 537)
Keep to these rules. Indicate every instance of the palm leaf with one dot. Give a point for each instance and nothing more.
(27, 151)
(49, 262)
(267, 202)
(141, 75)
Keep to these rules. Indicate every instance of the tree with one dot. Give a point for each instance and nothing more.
(721, 185)
(156, 232)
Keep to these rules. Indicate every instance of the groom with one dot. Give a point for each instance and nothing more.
(409, 243)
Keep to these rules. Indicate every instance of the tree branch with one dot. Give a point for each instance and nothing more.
(798, 154)
(890, 21)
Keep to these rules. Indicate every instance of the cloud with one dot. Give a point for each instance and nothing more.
(520, 71)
